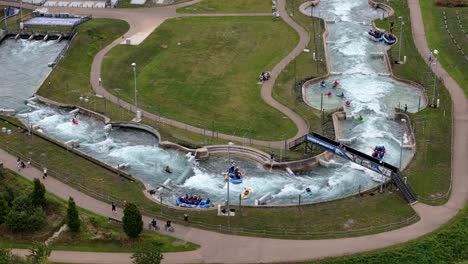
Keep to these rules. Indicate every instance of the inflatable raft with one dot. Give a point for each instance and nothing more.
(389, 39)
(202, 204)
(235, 180)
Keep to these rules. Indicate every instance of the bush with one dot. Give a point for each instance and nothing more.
(24, 217)
(4, 208)
(40, 253)
(149, 253)
(73, 219)
(20, 221)
(38, 194)
(132, 221)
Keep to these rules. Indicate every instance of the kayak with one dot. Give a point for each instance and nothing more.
(309, 191)
(339, 95)
(245, 194)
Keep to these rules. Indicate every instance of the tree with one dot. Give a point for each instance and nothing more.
(149, 253)
(23, 216)
(40, 253)
(73, 219)
(4, 208)
(132, 221)
(38, 194)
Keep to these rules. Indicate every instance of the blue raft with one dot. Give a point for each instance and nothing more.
(234, 180)
(389, 39)
(202, 204)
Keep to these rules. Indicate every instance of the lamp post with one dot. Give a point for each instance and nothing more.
(435, 52)
(134, 77)
(5, 11)
(401, 33)
(227, 202)
(401, 143)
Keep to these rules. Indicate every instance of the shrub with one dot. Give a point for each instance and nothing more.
(132, 221)
(73, 219)
(4, 208)
(20, 221)
(40, 253)
(24, 217)
(149, 253)
(38, 194)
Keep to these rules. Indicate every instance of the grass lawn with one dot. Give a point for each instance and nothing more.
(200, 70)
(303, 67)
(96, 234)
(228, 6)
(429, 171)
(363, 212)
(449, 244)
(438, 38)
(74, 69)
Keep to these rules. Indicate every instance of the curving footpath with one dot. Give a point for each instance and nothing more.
(221, 248)
(159, 15)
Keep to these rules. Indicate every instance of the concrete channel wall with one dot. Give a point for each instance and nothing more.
(253, 154)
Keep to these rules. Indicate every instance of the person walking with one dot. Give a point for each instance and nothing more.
(114, 208)
(44, 173)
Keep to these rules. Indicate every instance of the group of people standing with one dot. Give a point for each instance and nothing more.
(21, 165)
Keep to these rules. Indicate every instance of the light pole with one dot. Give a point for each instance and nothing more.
(401, 143)
(134, 77)
(401, 33)
(435, 52)
(228, 179)
(5, 11)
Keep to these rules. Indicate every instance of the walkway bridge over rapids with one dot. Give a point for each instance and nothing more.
(361, 159)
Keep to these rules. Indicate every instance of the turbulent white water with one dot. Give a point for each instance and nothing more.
(371, 95)
(23, 66)
(147, 161)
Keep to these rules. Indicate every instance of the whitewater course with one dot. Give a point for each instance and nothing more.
(363, 79)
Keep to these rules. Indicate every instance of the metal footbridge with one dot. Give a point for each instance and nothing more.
(361, 159)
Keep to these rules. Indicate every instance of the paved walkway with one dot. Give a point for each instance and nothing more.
(220, 248)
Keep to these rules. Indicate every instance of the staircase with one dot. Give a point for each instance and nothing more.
(405, 189)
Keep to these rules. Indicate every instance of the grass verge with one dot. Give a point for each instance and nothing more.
(346, 217)
(206, 74)
(449, 244)
(438, 38)
(227, 6)
(429, 171)
(287, 89)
